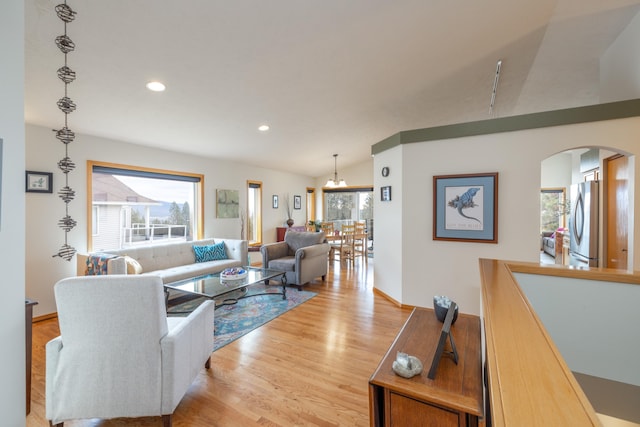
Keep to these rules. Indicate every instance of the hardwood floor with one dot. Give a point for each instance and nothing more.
(308, 367)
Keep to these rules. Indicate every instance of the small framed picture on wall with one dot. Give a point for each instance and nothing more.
(274, 201)
(385, 193)
(39, 182)
(297, 202)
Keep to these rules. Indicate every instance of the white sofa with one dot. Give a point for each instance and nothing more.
(172, 261)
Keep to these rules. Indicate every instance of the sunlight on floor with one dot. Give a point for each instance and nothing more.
(545, 258)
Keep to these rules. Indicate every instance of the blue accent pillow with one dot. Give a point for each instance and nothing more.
(210, 253)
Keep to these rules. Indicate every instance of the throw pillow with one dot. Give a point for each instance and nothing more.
(210, 252)
(133, 266)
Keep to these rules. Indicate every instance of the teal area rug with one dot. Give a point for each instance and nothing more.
(235, 320)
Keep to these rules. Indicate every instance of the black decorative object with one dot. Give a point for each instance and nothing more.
(67, 223)
(66, 165)
(441, 306)
(66, 135)
(444, 334)
(66, 74)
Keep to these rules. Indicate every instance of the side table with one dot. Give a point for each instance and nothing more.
(281, 231)
(452, 399)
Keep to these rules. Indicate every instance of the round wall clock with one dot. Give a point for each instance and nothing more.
(385, 171)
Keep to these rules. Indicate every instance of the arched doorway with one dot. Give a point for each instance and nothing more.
(610, 236)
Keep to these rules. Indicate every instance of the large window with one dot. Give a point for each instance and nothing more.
(134, 206)
(348, 205)
(311, 204)
(254, 212)
(553, 209)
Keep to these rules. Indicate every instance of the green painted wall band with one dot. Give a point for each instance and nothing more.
(590, 113)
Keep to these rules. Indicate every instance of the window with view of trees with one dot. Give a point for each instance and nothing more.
(254, 212)
(348, 205)
(133, 206)
(552, 209)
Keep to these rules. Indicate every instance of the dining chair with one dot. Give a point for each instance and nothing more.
(328, 229)
(347, 244)
(360, 240)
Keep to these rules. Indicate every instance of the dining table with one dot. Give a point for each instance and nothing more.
(337, 238)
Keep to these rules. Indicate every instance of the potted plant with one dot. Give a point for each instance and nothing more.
(317, 224)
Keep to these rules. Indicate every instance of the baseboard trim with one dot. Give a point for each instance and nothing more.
(392, 300)
(49, 316)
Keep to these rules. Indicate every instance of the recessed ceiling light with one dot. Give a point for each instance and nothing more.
(156, 86)
(263, 128)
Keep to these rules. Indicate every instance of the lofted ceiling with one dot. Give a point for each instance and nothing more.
(328, 76)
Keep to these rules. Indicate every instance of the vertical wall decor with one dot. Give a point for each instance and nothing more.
(66, 135)
(228, 203)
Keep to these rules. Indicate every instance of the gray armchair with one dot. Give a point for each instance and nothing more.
(302, 255)
(118, 355)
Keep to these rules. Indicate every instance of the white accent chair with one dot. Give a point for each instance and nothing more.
(118, 354)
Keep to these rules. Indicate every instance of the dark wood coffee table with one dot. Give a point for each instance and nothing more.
(214, 287)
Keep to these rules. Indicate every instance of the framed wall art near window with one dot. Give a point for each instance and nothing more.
(297, 202)
(274, 201)
(465, 207)
(228, 203)
(38, 182)
(385, 193)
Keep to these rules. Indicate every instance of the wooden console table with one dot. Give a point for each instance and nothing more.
(453, 398)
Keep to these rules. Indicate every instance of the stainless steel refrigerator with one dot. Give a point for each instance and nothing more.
(583, 225)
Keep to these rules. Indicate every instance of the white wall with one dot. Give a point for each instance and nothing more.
(355, 175)
(556, 172)
(592, 323)
(358, 175)
(431, 267)
(389, 222)
(12, 222)
(620, 66)
(43, 237)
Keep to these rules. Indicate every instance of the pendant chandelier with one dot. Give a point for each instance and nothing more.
(334, 182)
(66, 135)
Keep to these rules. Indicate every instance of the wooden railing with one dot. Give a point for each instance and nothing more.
(529, 382)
